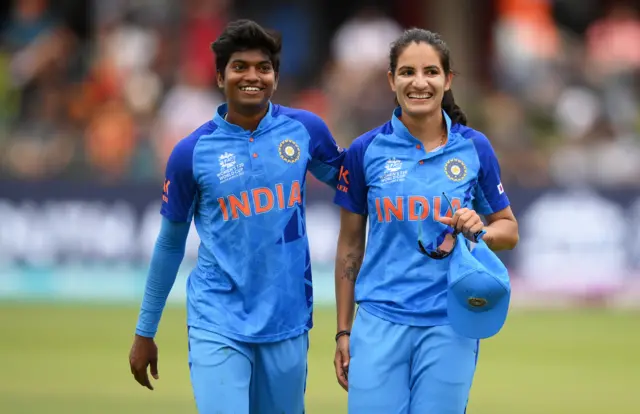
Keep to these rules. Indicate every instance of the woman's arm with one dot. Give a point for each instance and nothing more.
(350, 252)
(501, 230)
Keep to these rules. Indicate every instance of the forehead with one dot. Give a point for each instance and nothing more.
(252, 56)
(419, 54)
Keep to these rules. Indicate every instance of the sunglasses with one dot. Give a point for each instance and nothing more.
(446, 242)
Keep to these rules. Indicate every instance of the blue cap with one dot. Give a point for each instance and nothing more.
(478, 292)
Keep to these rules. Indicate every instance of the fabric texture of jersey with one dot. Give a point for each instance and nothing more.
(245, 191)
(386, 175)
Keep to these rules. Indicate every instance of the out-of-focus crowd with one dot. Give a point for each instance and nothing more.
(108, 104)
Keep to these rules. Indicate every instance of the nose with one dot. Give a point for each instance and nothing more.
(251, 75)
(420, 81)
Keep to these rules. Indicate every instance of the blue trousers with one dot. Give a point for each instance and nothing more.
(232, 377)
(399, 369)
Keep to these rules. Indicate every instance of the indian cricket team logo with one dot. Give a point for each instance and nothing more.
(289, 151)
(477, 302)
(455, 169)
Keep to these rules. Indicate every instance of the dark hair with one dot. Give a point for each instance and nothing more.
(241, 35)
(416, 35)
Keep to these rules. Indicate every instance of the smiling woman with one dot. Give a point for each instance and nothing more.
(420, 181)
(249, 296)
(420, 74)
(247, 61)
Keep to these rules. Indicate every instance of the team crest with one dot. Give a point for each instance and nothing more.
(455, 169)
(477, 302)
(289, 151)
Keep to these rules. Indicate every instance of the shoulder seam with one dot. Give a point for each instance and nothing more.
(368, 145)
(193, 155)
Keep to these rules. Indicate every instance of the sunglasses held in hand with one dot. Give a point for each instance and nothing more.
(445, 247)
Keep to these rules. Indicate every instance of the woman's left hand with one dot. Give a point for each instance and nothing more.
(465, 221)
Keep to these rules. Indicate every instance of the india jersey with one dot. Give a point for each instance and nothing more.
(246, 192)
(387, 175)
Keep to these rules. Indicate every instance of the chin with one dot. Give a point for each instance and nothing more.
(252, 103)
(420, 110)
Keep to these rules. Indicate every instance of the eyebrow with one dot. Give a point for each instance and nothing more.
(262, 62)
(411, 67)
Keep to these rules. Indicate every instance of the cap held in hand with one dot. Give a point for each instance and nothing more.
(478, 292)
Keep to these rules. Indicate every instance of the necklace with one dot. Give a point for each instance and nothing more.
(442, 138)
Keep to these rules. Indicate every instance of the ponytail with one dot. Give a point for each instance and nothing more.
(452, 109)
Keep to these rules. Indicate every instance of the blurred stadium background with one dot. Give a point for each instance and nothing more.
(94, 94)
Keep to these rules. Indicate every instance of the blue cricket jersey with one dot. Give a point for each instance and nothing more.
(246, 192)
(386, 175)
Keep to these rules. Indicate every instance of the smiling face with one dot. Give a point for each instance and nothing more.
(419, 80)
(249, 80)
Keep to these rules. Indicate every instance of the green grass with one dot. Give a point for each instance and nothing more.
(74, 359)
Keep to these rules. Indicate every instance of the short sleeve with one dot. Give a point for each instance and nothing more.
(326, 155)
(490, 195)
(352, 189)
(179, 190)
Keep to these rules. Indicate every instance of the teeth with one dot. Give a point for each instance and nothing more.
(420, 95)
(250, 88)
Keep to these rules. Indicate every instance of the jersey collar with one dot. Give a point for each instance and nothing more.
(401, 131)
(222, 123)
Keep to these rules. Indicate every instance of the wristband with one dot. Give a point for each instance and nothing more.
(342, 333)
